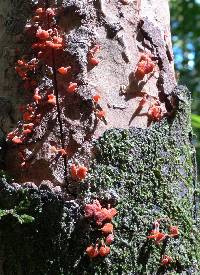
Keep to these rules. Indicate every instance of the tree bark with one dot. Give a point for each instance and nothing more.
(130, 135)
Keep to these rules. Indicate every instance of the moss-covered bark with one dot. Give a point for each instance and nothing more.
(149, 175)
(146, 174)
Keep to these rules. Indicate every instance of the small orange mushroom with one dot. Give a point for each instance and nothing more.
(104, 251)
(42, 34)
(51, 99)
(82, 172)
(107, 228)
(96, 98)
(64, 70)
(166, 260)
(174, 232)
(78, 172)
(17, 140)
(57, 40)
(92, 251)
(27, 131)
(39, 11)
(109, 239)
(94, 61)
(72, 87)
(101, 114)
(157, 236)
(52, 45)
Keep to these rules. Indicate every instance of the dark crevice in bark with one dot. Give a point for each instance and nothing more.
(99, 10)
(169, 54)
(58, 109)
(55, 84)
(164, 98)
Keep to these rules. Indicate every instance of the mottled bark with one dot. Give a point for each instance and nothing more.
(142, 166)
(122, 31)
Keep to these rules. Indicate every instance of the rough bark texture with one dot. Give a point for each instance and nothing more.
(143, 168)
(127, 30)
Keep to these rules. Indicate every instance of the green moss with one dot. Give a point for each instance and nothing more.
(149, 174)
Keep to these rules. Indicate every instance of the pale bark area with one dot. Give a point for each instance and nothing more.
(115, 28)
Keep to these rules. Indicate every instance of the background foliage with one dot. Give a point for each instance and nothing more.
(185, 23)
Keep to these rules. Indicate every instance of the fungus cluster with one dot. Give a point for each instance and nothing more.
(144, 67)
(47, 44)
(103, 219)
(78, 173)
(159, 236)
(47, 50)
(156, 110)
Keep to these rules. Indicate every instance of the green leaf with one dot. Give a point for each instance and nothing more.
(3, 213)
(25, 218)
(196, 121)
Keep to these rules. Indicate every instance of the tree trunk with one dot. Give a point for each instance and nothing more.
(93, 122)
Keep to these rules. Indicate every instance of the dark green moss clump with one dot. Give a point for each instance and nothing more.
(147, 174)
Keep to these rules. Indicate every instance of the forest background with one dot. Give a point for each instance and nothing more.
(185, 24)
